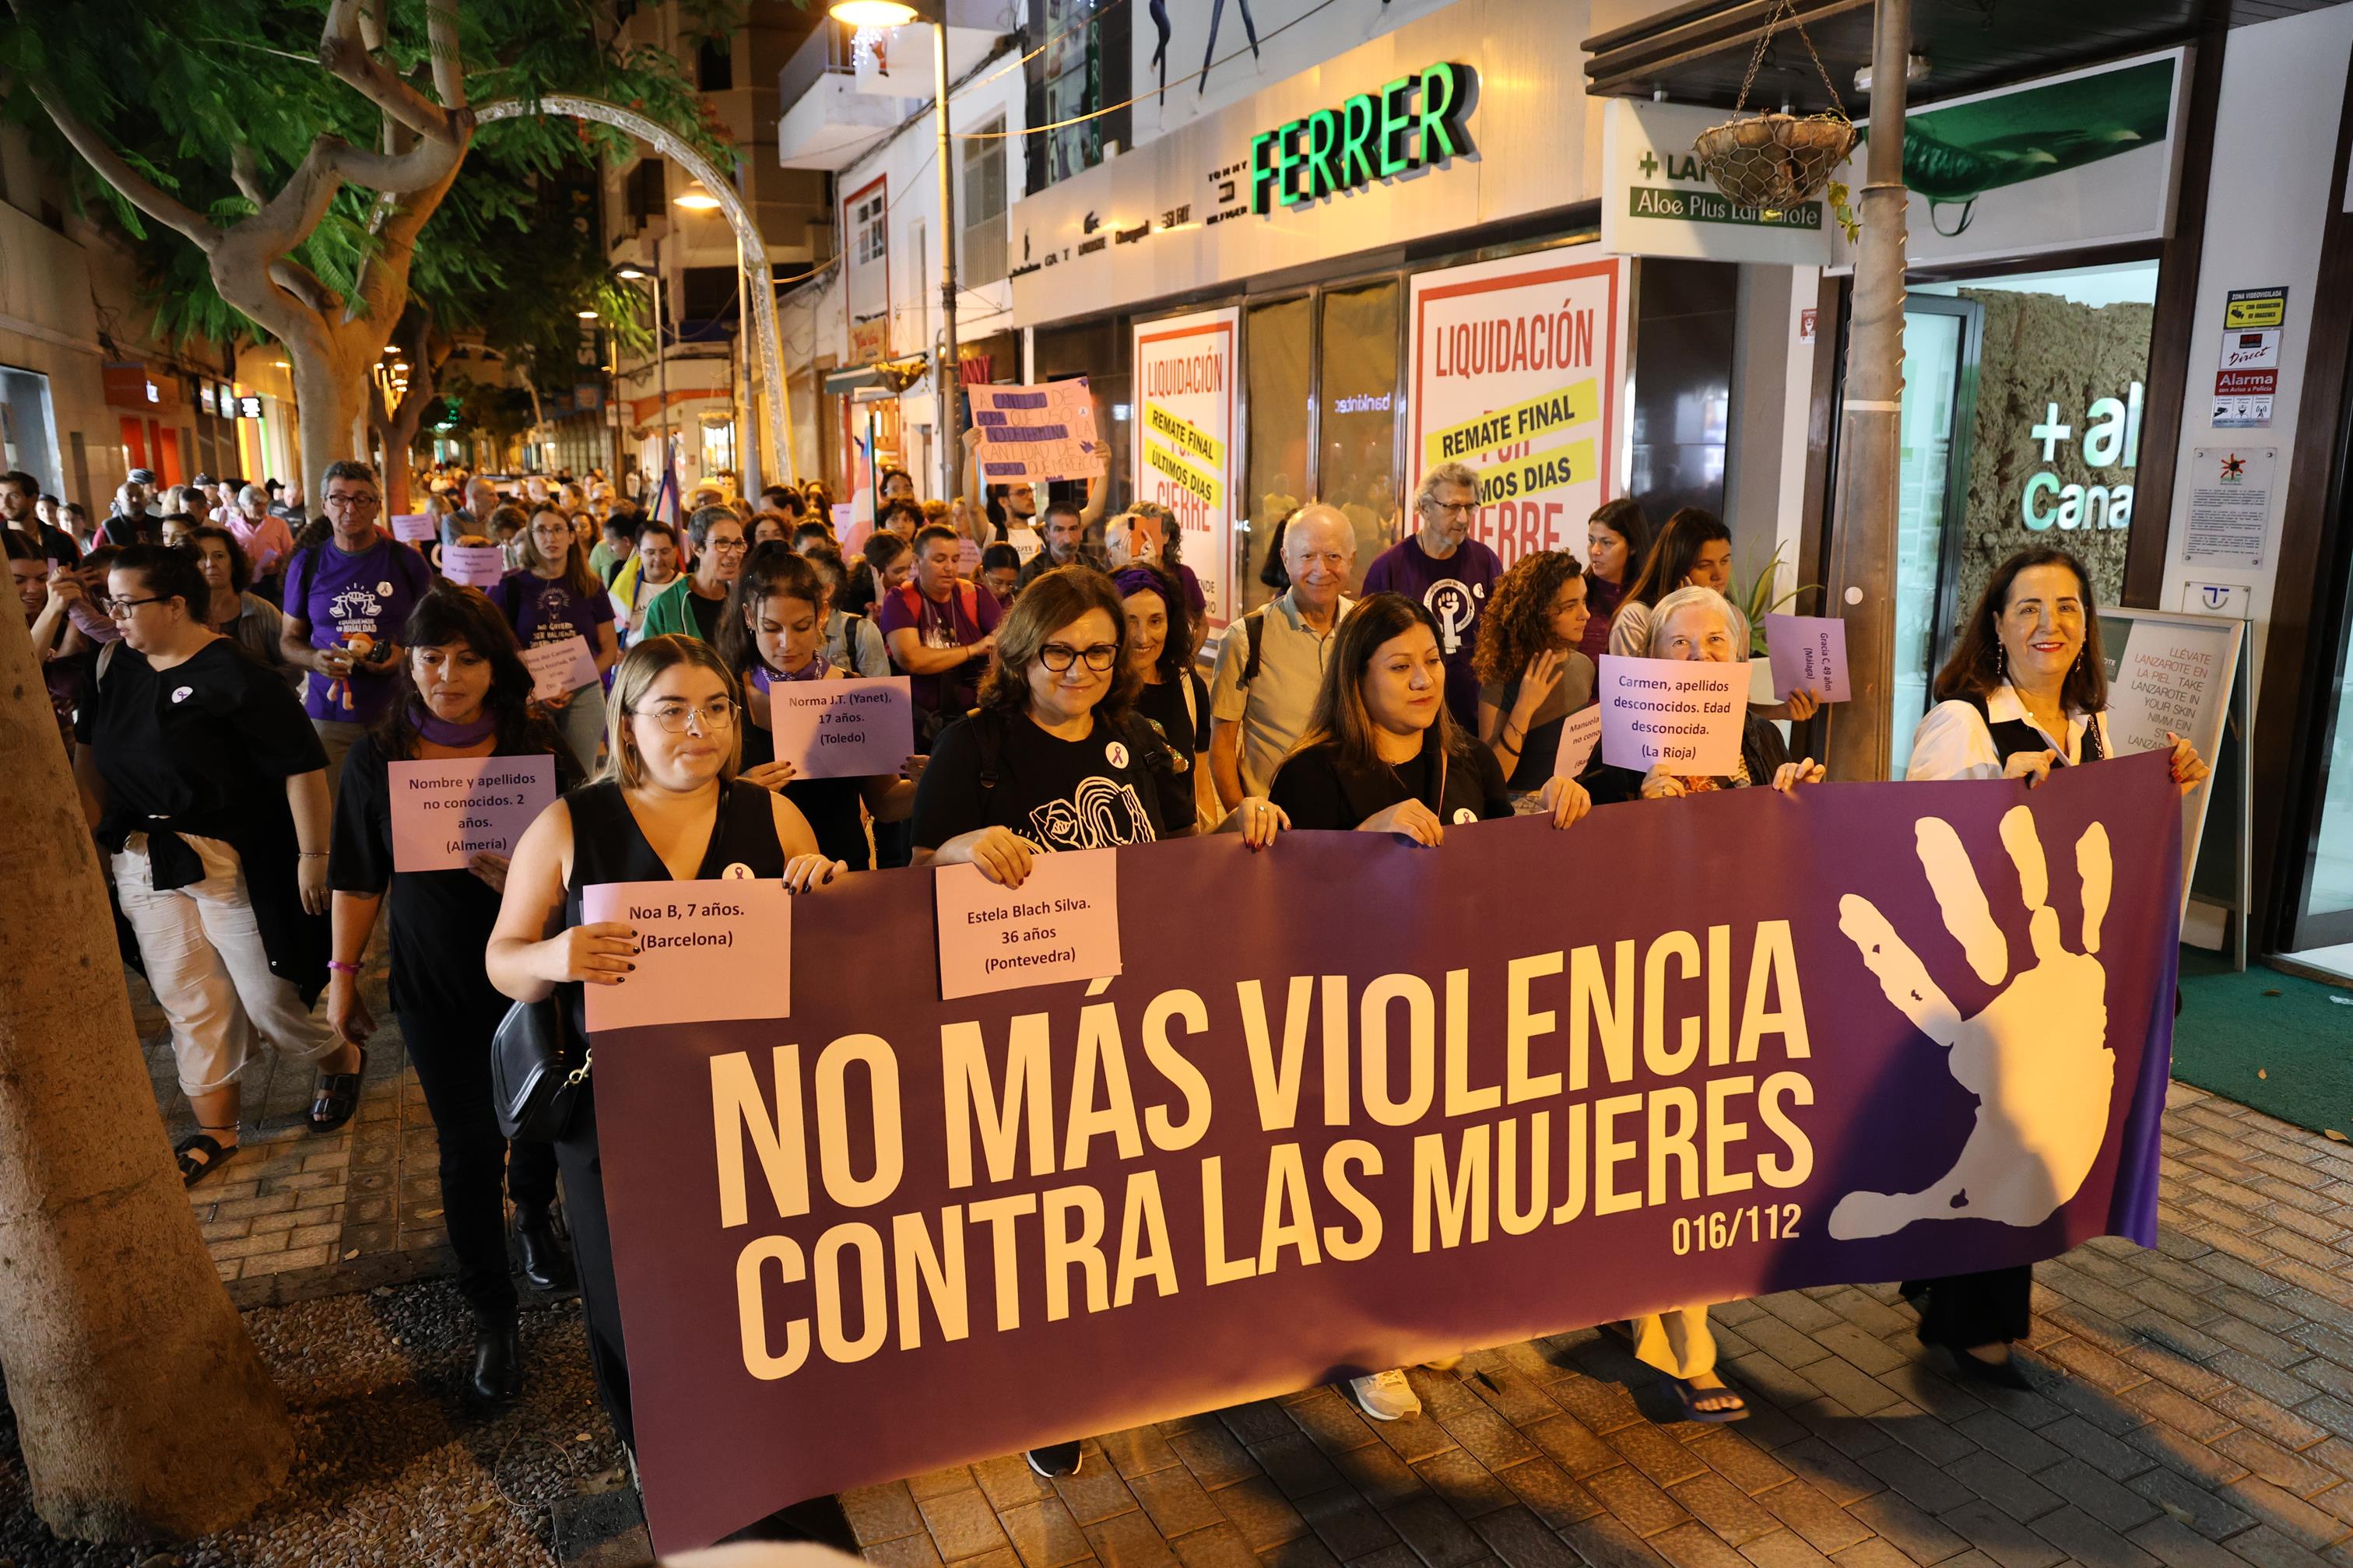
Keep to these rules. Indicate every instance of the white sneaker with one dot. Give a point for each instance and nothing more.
(1384, 1395)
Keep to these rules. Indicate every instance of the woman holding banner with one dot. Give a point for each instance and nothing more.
(1532, 671)
(554, 598)
(2025, 692)
(1381, 755)
(667, 807)
(772, 636)
(1700, 623)
(462, 691)
(1053, 758)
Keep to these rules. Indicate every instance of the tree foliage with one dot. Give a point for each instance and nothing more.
(185, 93)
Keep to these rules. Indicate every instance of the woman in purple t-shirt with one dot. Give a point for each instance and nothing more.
(554, 598)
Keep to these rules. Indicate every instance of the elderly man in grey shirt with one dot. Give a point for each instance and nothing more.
(1260, 713)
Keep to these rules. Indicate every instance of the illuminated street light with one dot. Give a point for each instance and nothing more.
(695, 199)
(874, 13)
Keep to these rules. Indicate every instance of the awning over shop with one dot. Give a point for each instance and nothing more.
(852, 378)
(1698, 52)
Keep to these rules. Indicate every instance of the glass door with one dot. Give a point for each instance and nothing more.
(1940, 342)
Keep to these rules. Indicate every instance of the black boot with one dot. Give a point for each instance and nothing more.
(546, 1266)
(497, 1376)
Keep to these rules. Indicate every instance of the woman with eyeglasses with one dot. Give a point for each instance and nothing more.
(554, 599)
(208, 793)
(1052, 758)
(667, 807)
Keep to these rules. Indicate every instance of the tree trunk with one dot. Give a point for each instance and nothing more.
(143, 1411)
(333, 401)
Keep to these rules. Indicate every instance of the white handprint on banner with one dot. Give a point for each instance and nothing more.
(2037, 1057)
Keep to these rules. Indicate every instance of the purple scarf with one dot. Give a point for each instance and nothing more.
(431, 726)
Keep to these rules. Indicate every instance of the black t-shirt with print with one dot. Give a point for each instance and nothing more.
(1316, 792)
(1094, 794)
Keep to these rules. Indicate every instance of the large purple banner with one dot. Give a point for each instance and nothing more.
(1355, 1105)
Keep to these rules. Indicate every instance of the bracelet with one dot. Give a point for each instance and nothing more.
(310, 854)
(340, 967)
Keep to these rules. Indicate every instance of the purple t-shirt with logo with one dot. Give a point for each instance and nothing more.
(543, 610)
(1455, 592)
(373, 592)
(969, 616)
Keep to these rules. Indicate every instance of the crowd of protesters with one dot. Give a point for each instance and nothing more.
(236, 679)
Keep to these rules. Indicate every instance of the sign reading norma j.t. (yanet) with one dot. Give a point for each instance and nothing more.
(1517, 366)
(1187, 400)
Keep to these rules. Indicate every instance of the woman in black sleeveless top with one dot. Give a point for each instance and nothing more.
(2025, 692)
(772, 636)
(667, 807)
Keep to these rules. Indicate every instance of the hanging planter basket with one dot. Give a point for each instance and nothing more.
(1774, 161)
(1777, 161)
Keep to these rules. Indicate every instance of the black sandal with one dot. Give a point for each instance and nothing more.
(193, 1169)
(338, 1097)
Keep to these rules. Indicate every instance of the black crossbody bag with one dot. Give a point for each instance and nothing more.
(536, 1082)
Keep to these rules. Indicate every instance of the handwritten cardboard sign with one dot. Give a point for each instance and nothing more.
(1808, 653)
(444, 812)
(1032, 433)
(720, 949)
(417, 528)
(557, 667)
(1062, 923)
(1683, 715)
(842, 729)
(475, 565)
(1579, 734)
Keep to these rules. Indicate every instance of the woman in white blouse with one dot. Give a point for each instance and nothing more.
(2025, 692)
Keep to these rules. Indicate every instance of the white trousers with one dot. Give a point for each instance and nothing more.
(207, 968)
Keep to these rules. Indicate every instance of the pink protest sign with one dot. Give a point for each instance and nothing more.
(476, 566)
(1579, 733)
(1032, 433)
(842, 729)
(1682, 715)
(1062, 923)
(445, 813)
(557, 667)
(417, 528)
(721, 949)
(1808, 653)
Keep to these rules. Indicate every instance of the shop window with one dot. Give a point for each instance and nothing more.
(1078, 81)
(1279, 378)
(983, 210)
(28, 436)
(1100, 352)
(714, 66)
(1358, 387)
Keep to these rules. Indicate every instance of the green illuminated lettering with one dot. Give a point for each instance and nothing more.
(1356, 116)
(1396, 121)
(1442, 100)
(1265, 149)
(1322, 133)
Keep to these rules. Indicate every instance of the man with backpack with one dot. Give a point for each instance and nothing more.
(940, 630)
(1266, 677)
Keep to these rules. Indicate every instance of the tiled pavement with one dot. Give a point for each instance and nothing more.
(2194, 1409)
(297, 1215)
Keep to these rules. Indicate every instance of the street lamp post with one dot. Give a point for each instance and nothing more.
(945, 377)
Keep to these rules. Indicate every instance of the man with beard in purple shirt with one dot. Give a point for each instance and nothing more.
(357, 583)
(1447, 572)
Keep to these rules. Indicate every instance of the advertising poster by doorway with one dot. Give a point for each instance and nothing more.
(1185, 389)
(1519, 370)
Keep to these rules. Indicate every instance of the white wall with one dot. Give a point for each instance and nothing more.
(2282, 99)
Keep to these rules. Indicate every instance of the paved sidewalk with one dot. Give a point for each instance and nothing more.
(2194, 1409)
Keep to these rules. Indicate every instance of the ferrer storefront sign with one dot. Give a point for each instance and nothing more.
(1413, 121)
